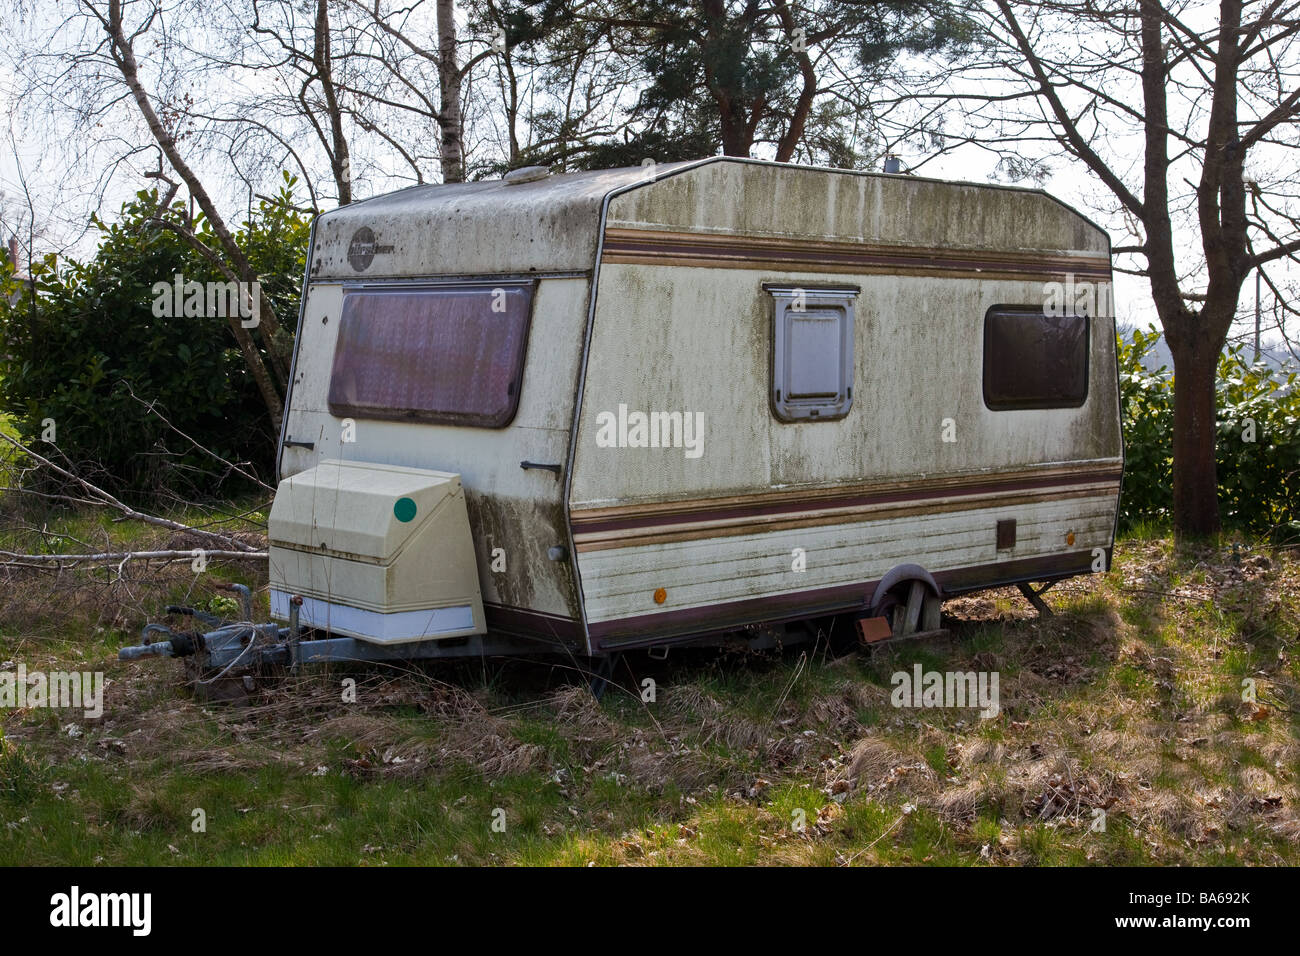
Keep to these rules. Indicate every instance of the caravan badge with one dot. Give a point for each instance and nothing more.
(363, 249)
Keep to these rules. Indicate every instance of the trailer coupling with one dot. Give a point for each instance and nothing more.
(241, 647)
(227, 644)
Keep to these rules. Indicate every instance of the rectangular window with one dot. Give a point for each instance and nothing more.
(1034, 360)
(812, 352)
(451, 355)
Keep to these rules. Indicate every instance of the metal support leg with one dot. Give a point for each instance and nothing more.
(600, 676)
(1035, 598)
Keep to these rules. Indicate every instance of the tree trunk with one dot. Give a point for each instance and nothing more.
(449, 83)
(726, 91)
(735, 139)
(803, 106)
(123, 53)
(1196, 499)
(337, 147)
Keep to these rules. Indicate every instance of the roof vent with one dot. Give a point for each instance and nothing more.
(526, 174)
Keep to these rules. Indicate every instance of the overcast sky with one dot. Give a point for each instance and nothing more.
(63, 185)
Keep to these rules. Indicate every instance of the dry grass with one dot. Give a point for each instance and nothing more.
(1127, 703)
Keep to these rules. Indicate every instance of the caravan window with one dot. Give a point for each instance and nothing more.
(1034, 360)
(812, 352)
(451, 355)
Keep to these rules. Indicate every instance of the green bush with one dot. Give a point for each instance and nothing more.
(1258, 442)
(88, 352)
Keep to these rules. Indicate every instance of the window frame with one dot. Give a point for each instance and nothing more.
(1033, 405)
(428, 417)
(840, 296)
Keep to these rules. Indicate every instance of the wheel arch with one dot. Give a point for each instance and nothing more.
(896, 576)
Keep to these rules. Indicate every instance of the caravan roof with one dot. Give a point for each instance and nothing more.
(553, 224)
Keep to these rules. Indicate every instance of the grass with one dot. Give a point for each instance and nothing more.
(7, 427)
(1123, 738)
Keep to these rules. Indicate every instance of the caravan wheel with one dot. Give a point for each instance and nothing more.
(912, 608)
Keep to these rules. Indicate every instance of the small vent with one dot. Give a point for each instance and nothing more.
(1007, 534)
(525, 174)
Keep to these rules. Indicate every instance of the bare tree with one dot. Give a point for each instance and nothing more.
(301, 56)
(1190, 118)
(404, 69)
(555, 91)
(450, 79)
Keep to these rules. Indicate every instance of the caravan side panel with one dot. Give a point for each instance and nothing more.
(764, 518)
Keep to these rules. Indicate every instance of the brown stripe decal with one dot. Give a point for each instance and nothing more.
(814, 505)
(662, 627)
(1077, 473)
(695, 532)
(654, 247)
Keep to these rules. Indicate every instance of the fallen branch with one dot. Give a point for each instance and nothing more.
(10, 559)
(102, 498)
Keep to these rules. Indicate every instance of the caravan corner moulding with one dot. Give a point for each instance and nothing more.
(589, 412)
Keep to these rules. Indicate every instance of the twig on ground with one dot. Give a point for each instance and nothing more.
(15, 560)
(102, 498)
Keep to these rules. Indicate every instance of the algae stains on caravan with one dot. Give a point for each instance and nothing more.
(520, 576)
(498, 523)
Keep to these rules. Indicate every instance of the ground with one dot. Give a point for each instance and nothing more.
(1125, 735)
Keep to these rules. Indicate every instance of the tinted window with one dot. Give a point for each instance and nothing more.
(450, 354)
(1032, 360)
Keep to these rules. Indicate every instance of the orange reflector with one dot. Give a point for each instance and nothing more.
(660, 595)
(1069, 537)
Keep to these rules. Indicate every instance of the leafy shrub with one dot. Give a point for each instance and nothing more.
(1147, 400)
(88, 352)
(1258, 441)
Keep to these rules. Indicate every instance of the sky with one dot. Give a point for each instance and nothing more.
(44, 161)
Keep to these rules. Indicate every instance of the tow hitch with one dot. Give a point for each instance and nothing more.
(230, 651)
(240, 650)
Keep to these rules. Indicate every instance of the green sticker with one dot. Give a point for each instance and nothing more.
(404, 510)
